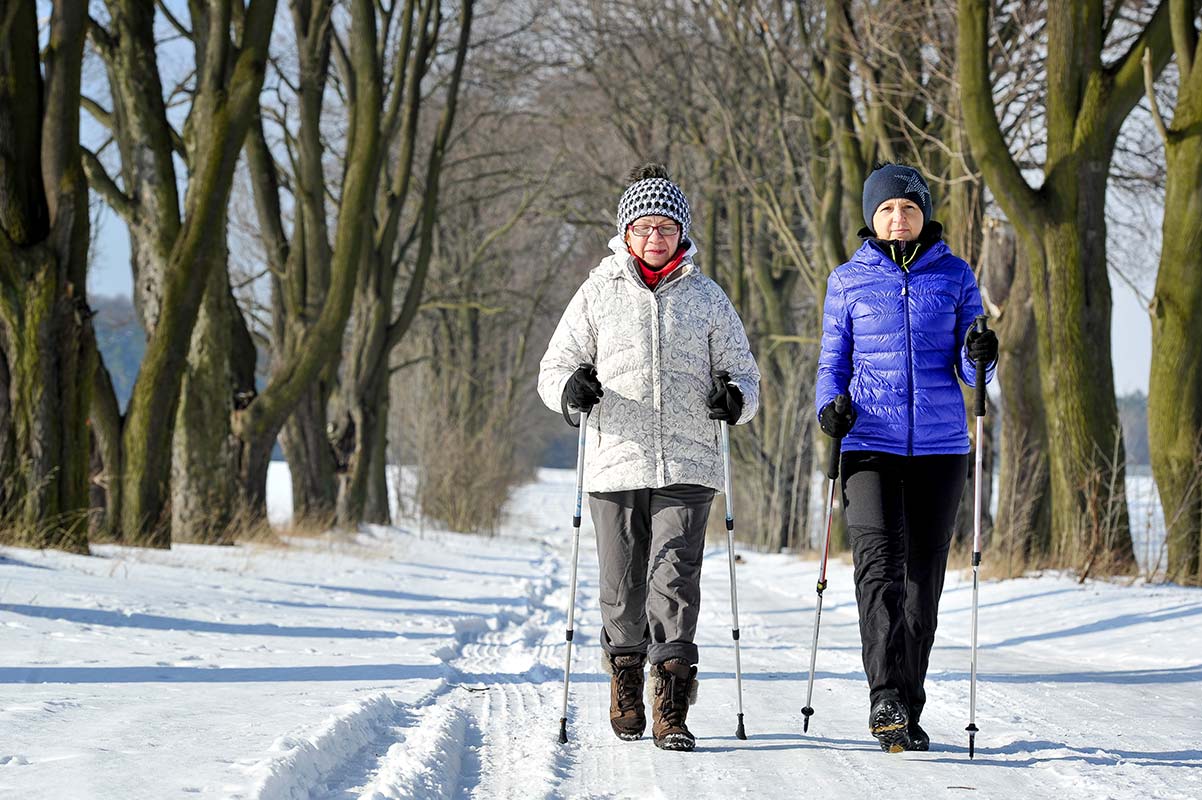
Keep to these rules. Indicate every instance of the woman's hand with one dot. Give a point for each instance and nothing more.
(837, 417)
(724, 399)
(583, 389)
(981, 346)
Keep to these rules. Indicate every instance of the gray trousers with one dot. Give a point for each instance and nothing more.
(649, 545)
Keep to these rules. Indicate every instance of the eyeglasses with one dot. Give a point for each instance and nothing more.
(667, 230)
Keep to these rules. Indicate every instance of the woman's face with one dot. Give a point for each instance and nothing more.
(657, 246)
(898, 218)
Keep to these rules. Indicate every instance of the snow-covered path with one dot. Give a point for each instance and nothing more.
(404, 665)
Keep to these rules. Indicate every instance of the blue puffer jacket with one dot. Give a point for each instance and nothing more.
(895, 339)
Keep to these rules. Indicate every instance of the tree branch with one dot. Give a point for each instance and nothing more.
(1185, 35)
(1021, 203)
(1127, 74)
(100, 37)
(98, 112)
(175, 23)
(1150, 90)
(100, 181)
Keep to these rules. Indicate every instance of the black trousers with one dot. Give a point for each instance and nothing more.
(901, 512)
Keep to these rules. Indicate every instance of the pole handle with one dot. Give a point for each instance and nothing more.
(981, 368)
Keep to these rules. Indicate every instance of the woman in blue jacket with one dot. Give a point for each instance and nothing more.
(897, 333)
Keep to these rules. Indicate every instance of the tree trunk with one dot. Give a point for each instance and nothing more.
(360, 498)
(310, 459)
(8, 434)
(228, 79)
(253, 458)
(376, 508)
(106, 425)
(1088, 464)
(48, 403)
(204, 488)
(317, 344)
(44, 318)
(1023, 524)
(365, 394)
(1063, 226)
(1175, 385)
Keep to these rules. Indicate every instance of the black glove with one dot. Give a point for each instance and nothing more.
(981, 345)
(583, 389)
(837, 417)
(725, 401)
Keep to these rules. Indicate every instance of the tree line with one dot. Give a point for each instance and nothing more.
(353, 224)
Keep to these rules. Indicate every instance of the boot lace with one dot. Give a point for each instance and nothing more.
(629, 690)
(674, 699)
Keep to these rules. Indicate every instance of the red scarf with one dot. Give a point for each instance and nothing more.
(651, 276)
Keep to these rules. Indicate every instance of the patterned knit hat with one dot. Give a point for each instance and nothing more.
(651, 191)
(890, 181)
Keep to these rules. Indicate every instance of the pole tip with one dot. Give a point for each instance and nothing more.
(807, 712)
(972, 739)
(563, 730)
(741, 732)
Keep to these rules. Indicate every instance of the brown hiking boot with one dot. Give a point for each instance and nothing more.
(674, 687)
(626, 714)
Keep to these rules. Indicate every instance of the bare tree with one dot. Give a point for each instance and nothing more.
(403, 235)
(313, 275)
(1061, 228)
(47, 352)
(174, 248)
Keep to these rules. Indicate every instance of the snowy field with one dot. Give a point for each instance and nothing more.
(406, 664)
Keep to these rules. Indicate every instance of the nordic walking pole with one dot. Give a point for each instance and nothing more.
(832, 472)
(976, 544)
(740, 732)
(567, 667)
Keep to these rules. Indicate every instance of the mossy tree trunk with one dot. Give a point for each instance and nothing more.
(219, 375)
(174, 253)
(1064, 222)
(1175, 386)
(44, 329)
(1023, 523)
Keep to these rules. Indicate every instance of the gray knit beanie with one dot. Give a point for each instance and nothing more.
(890, 181)
(651, 191)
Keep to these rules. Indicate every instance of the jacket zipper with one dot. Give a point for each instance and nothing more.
(902, 264)
(910, 359)
(656, 394)
(655, 389)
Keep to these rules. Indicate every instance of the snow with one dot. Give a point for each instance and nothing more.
(409, 663)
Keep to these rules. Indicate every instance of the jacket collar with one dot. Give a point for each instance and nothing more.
(622, 265)
(876, 251)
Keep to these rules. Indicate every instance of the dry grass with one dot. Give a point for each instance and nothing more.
(65, 531)
(465, 477)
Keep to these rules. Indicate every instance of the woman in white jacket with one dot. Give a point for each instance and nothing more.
(671, 359)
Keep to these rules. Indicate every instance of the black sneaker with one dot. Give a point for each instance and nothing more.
(889, 723)
(919, 740)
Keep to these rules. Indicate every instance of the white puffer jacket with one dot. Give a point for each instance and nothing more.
(655, 354)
